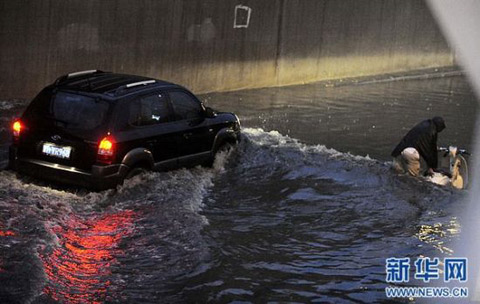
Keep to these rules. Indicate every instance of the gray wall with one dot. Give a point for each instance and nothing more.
(194, 43)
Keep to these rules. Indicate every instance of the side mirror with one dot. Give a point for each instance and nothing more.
(210, 113)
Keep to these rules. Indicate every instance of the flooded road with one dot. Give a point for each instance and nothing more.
(305, 209)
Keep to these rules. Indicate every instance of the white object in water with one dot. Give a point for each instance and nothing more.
(452, 159)
(439, 179)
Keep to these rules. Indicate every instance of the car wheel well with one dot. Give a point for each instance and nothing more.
(143, 164)
(225, 143)
(137, 168)
(230, 140)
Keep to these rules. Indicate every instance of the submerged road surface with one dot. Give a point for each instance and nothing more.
(296, 213)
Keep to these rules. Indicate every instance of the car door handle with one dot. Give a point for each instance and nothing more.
(187, 135)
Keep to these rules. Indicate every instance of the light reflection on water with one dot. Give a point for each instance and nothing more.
(78, 269)
(440, 235)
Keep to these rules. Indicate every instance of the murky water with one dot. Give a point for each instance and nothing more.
(366, 119)
(284, 217)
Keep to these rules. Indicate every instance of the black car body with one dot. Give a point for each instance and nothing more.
(93, 128)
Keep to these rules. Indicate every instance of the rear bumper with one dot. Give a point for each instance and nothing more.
(99, 178)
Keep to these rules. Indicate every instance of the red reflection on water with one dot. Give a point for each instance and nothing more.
(7, 233)
(78, 270)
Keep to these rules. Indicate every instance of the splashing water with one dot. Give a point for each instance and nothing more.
(282, 217)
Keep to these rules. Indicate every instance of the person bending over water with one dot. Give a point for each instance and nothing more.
(416, 153)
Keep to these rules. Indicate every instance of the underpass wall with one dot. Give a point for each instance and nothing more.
(215, 45)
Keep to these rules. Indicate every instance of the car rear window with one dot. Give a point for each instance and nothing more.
(69, 111)
(78, 111)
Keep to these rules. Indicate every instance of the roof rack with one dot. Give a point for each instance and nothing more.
(80, 73)
(134, 84)
(76, 74)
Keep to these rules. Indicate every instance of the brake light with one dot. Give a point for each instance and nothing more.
(106, 150)
(17, 127)
(105, 147)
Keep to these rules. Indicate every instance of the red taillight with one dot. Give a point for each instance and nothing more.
(17, 127)
(106, 146)
(106, 150)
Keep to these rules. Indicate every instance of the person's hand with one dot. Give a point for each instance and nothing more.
(430, 171)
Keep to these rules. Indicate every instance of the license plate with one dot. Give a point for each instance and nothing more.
(56, 151)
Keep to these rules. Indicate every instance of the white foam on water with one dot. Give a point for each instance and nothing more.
(6, 105)
(276, 139)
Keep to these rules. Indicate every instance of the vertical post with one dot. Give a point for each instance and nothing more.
(279, 46)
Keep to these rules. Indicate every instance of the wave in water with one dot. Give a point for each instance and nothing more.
(272, 207)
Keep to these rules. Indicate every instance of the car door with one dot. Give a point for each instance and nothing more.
(149, 124)
(195, 137)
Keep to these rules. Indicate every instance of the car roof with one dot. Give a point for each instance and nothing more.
(111, 84)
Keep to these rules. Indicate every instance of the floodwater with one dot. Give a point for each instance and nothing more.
(305, 209)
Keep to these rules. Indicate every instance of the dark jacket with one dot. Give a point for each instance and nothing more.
(423, 137)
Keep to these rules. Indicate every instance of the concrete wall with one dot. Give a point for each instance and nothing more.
(194, 42)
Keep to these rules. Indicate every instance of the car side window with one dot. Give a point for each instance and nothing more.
(185, 106)
(149, 110)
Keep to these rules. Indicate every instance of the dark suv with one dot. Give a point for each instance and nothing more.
(95, 129)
